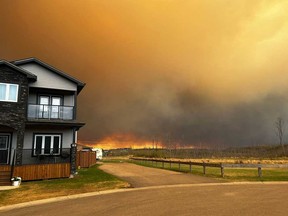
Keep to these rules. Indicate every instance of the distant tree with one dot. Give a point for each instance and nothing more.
(279, 124)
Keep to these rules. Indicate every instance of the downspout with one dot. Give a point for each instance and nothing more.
(73, 155)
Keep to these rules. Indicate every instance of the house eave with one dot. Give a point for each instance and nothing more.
(29, 75)
(72, 124)
(80, 85)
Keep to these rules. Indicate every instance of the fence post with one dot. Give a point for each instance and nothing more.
(259, 171)
(190, 167)
(179, 165)
(170, 164)
(163, 164)
(222, 170)
(204, 168)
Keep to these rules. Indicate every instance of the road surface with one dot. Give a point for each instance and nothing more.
(195, 198)
(210, 200)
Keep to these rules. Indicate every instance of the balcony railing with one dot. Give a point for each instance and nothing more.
(37, 111)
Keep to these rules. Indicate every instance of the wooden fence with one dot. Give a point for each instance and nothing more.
(42, 171)
(85, 159)
(221, 166)
(5, 168)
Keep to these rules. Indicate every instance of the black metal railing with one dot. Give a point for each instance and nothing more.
(38, 111)
(33, 156)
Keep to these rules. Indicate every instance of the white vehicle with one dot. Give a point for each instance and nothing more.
(99, 153)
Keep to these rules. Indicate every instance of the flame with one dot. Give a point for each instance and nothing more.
(115, 141)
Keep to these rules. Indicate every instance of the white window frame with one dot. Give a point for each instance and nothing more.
(7, 85)
(43, 144)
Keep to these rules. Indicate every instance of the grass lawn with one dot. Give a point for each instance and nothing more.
(88, 180)
(231, 174)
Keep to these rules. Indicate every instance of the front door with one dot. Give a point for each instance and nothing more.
(4, 148)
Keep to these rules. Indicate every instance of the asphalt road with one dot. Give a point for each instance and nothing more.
(177, 200)
(196, 198)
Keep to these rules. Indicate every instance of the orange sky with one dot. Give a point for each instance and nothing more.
(206, 71)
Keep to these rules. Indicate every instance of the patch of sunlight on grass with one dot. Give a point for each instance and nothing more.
(88, 180)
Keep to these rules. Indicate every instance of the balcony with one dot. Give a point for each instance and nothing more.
(37, 111)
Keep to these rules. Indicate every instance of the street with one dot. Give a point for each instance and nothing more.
(163, 192)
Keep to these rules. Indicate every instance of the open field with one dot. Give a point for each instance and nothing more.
(267, 152)
(241, 160)
(282, 160)
(231, 174)
(88, 180)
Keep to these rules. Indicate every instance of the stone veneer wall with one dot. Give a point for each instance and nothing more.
(13, 114)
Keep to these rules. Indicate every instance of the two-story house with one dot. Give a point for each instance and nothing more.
(38, 126)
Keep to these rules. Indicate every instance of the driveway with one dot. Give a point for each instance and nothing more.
(140, 176)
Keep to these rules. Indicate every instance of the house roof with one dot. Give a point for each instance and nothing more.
(21, 70)
(20, 62)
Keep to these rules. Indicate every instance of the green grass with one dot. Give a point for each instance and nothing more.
(231, 174)
(88, 180)
(116, 160)
(85, 176)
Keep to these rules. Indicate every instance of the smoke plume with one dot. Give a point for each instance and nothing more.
(211, 73)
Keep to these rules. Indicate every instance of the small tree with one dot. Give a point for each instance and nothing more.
(279, 124)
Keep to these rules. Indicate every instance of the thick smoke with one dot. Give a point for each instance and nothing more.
(189, 119)
(205, 73)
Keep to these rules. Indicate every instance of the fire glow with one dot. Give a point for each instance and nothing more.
(123, 141)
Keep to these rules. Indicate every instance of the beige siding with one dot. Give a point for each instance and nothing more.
(48, 79)
(67, 137)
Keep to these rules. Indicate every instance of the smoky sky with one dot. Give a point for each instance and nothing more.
(202, 72)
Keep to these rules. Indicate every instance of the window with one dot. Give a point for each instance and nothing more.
(47, 144)
(8, 92)
(50, 107)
